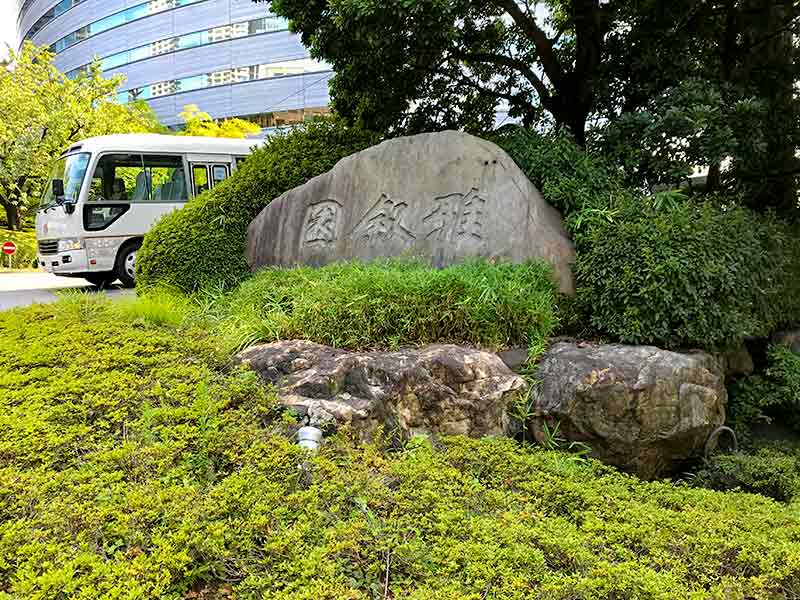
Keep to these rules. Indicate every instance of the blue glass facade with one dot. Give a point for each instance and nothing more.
(229, 57)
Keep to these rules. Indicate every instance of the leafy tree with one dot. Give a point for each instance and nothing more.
(661, 86)
(201, 124)
(713, 82)
(42, 111)
(424, 64)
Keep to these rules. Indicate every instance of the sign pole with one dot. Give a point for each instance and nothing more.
(9, 248)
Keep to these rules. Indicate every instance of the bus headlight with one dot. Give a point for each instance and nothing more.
(70, 244)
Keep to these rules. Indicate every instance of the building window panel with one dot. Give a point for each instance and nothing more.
(183, 42)
(133, 13)
(224, 77)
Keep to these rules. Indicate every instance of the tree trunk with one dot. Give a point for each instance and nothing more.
(769, 65)
(13, 216)
(714, 178)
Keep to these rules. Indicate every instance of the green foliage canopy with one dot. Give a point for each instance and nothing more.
(663, 87)
(690, 84)
(42, 111)
(417, 65)
(201, 124)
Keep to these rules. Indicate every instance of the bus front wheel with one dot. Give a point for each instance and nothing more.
(126, 264)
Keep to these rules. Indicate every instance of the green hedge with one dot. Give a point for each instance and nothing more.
(134, 465)
(665, 269)
(203, 244)
(571, 179)
(389, 304)
(696, 275)
(769, 472)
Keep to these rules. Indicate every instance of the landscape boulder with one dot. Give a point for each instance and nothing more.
(442, 197)
(640, 408)
(434, 390)
(737, 362)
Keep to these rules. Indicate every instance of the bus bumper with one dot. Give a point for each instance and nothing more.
(65, 263)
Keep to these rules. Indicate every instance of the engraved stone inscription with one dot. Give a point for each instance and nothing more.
(383, 222)
(456, 216)
(441, 198)
(321, 223)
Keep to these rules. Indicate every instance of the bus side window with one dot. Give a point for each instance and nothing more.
(219, 173)
(118, 178)
(200, 179)
(166, 178)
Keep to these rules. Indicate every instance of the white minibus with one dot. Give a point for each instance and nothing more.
(106, 193)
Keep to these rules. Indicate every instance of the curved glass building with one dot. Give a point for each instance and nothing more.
(232, 58)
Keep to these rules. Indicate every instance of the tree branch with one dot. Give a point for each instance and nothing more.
(512, 63)
(544, 46)
(787, 26)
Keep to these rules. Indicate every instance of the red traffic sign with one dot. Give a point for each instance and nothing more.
(9, 248)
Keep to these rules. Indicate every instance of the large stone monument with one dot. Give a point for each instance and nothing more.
(442, 196)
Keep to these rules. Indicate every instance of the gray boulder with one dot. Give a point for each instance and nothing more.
(442, 197)
(639, 408)
(737, 362)
(435, 390)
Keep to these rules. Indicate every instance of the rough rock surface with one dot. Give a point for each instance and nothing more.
(435, 390)
(441, 196)
(640, 408)
(737, 362)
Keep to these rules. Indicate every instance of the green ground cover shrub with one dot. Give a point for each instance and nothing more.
(203, 243)
(26, 248)
(666, 269)
(395, 303)
(768, 471)
(134, 464)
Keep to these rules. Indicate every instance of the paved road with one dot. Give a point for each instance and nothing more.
(23, 289)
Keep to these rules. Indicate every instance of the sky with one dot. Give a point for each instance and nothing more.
(8, 25)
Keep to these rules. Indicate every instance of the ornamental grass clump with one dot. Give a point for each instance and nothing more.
(396, 303)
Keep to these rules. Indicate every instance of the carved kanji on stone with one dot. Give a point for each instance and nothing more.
(384, 222)
(321, 223)
(456, 216)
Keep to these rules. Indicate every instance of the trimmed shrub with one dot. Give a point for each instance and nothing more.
(392, 303)
(570, 179)
(133, 465)
(695, 275)
(663, 269)
(203, 243)
(768, 472)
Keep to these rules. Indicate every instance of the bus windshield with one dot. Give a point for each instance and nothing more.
(71, 170)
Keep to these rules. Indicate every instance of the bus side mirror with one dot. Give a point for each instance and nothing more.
(58, 190)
